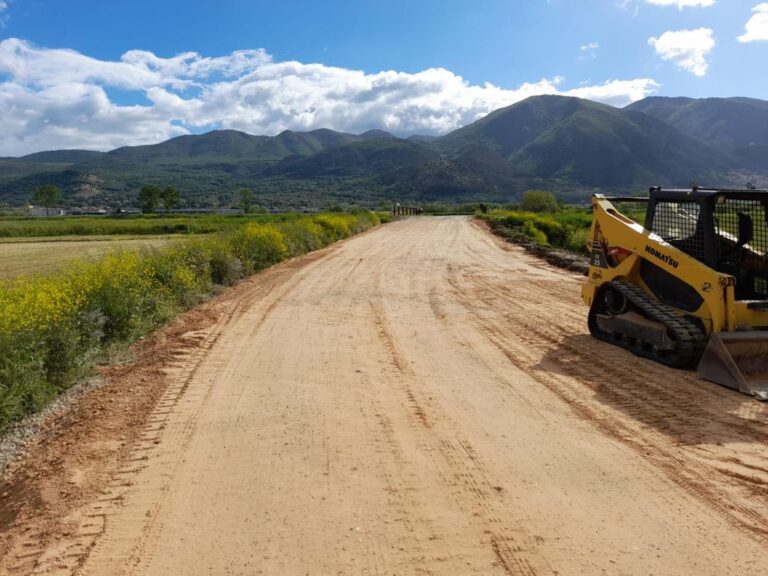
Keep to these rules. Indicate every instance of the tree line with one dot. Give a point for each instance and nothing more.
(151, 198)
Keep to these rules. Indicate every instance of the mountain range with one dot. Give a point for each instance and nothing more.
(569, 146)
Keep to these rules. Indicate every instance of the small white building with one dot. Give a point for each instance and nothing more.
(43, 212)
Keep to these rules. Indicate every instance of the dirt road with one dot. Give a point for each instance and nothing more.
(421, 399)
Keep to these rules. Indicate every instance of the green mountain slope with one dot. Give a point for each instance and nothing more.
(571, 142)
(601, 146)
(738, 126)
(368, 157)
(568, 145)
(227, 146)
(63, 156)
(507, 130)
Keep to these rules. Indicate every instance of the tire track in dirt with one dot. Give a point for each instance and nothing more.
(663, 405)
(421, 400)
(174, 441)
(463, 471)
(56, 550)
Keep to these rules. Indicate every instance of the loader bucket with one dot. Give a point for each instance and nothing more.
(738, 360)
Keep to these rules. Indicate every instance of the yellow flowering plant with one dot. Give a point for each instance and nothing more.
(52, 328)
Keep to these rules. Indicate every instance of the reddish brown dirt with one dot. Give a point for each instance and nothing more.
(422, 399)
(74, 458)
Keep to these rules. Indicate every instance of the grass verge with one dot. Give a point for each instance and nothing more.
(567, 228)
(53, 328)
(139, 225)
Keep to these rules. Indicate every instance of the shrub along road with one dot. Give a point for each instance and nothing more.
(420, 399)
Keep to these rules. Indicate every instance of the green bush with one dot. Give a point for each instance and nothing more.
(533, 233)
(577, 241)
(335, 227)
(259, 246)
(383, 217)
(364, 220)
(567, 228)
(303, 236)
(539, 201)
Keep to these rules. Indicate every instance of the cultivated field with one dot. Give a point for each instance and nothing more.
(420, 399)
(49, 254)
(152, 225)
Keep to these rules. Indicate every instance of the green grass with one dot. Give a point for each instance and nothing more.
(131, 225)
(567, 228)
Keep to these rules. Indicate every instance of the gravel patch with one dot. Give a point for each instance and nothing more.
(21, 434)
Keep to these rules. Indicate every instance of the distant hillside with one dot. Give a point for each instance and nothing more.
(422, 138)
(570, 146)
(74, 183)
(600, 146)
(465, 179)
(585, 144)
(737, 126)
(371, 156)
(508, 130)
(231, 146)
(376, 135)
(62, 156)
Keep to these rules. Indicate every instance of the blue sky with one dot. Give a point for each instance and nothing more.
(98, 74)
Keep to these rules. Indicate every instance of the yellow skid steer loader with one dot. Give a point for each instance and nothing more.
(691, 286)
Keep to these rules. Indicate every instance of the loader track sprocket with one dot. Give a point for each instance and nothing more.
(687, 337)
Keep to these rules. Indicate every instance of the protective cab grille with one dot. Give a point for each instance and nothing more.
(679, 223)
(741, 244)
(739, 241)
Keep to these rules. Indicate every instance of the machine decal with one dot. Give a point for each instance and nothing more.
(663, 257)
(598, 258)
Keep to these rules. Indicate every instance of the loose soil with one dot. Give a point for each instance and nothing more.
(555, 256)
(420, 399)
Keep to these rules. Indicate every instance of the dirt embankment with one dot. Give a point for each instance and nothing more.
(555, 256)
(422, 399)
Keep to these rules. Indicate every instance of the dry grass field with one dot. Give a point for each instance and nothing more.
(41, 255)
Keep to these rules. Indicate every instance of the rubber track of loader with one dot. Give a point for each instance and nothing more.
(689, 339)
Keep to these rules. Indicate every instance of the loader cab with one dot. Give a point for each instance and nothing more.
(725, 229)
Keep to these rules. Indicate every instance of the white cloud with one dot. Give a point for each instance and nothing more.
(617, 93)
(64, 99)
(683, 3)
(3, 5)
(136, 70)
(757, 26)
(634, 5)
(589, 50)
(686, 48)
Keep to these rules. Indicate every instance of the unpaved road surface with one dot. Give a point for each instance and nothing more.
(421, 399)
